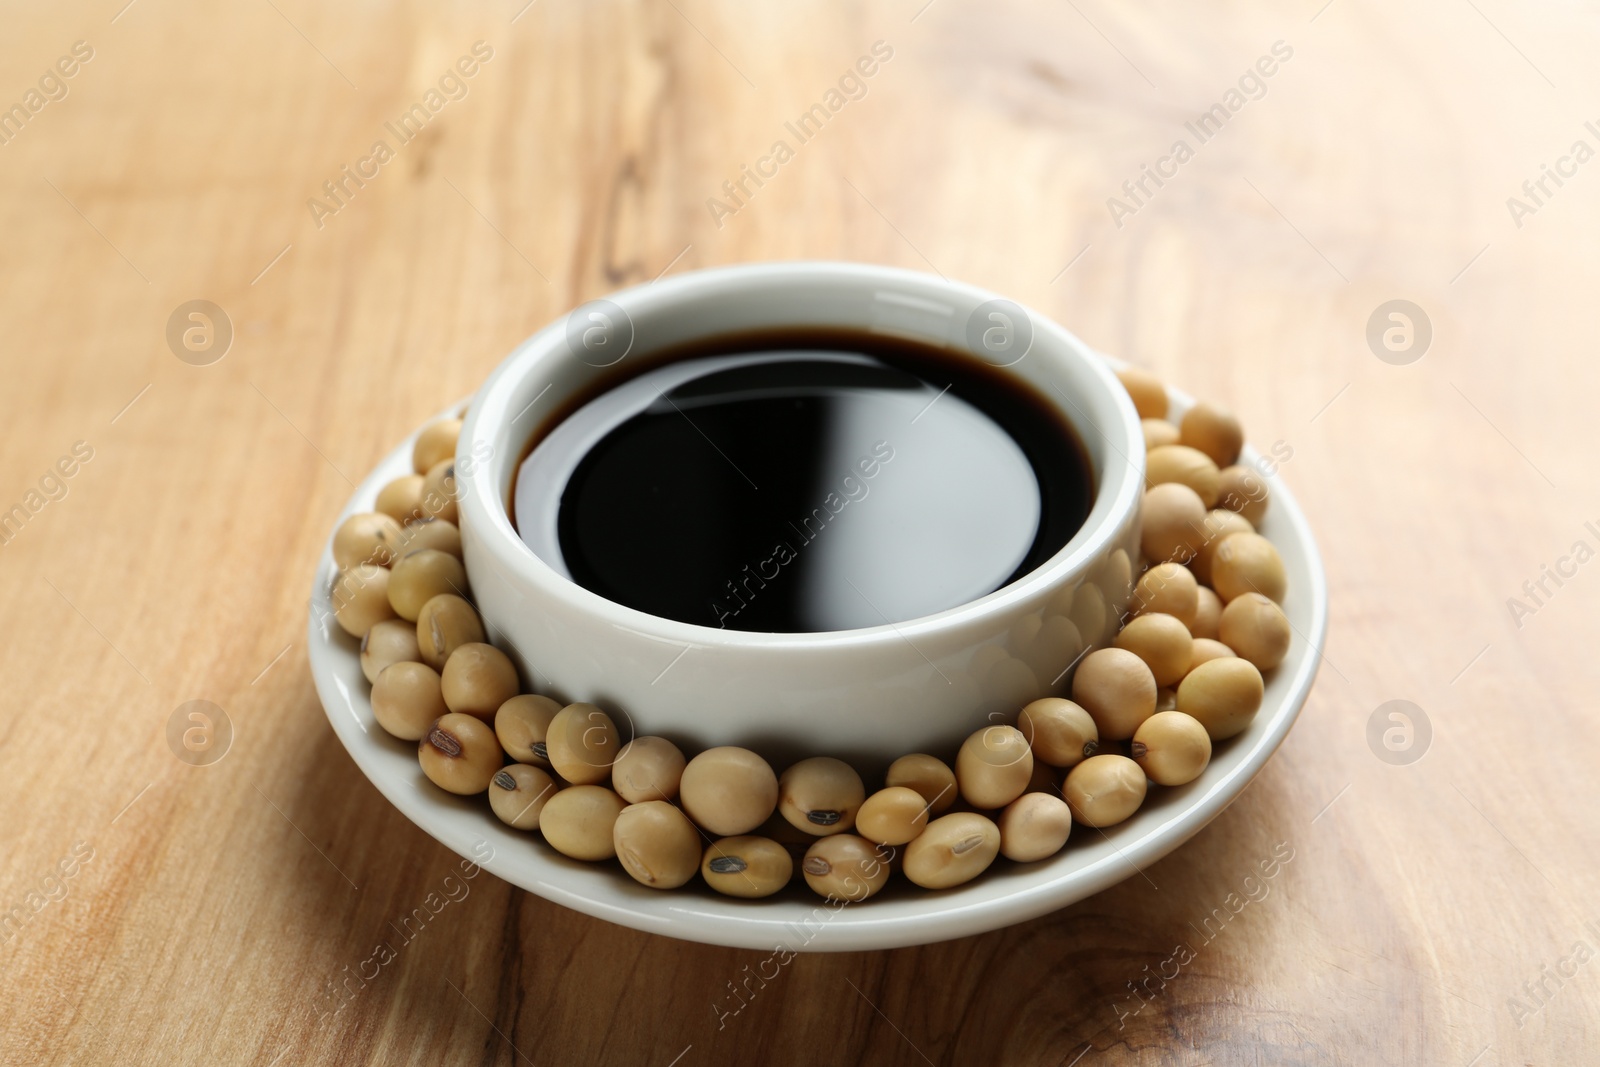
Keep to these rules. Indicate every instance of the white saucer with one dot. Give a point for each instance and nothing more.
(797, 919)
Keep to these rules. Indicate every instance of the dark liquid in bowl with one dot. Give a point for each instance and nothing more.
(823, 487)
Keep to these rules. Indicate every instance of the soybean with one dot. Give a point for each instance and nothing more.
(521, 724)
(1104, 790)
(1207, 649)
(748, 867)
(1186, 466)
(1170, 523)
(994, 766)
(929, 776)
(1033, 827)
(1255, 628)
(1248, 563)
(477, 679)
(581, 743)
(361, 598)
(441, 534)
(459, 754)
(419, 576)
(657, 844)
(444, 624)
(1145, 389)
(1060, 732)
(1169, 588)
(728, 790)
(1117, 689)
(579, 821)
(1218, 524)
(369, 537)
(1172, 748)
(406, 699)
(821, 795)
(401, 499)
(1208, 615)
(518, 794)
(439, 491)
(1158, 432)
(1224, 695)
(952, 850)
(845, 867)
(435, 444)
(389, 641)
(1163, 642)
(647, 768)
(1242, 489)
(1213, 430)
(892, 816)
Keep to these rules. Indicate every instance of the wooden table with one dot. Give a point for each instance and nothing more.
(1440, 911)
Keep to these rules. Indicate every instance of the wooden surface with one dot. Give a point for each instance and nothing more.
(212, 912)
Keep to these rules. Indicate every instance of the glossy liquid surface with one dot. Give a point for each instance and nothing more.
(803, 491)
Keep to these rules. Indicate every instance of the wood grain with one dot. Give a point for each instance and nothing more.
(213, 913)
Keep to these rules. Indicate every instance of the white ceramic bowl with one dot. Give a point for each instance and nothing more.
(868, 694)
(902, 914)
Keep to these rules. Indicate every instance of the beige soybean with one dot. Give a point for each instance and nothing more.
(419, 576)
(1248, 563)
(928, 775)
(1256, 629)
(821, 795)
(581, 744)
(1033, 827)
(748, 867)
(1170, 523)
(1208, 615)
(440, 534)
(389, 641)
(892, 816)
(1218, 524)
(953, 850)
(657, 844)
(1186, 466)
(647, 768)
(518, 794)
(994, 766)
(522, 723)
(406, 699)
(579, 822)
(1060, 732)
(1242, 489)
(361, 598)
(1224, 695)
(401, 499)
(477, 679)
(1104, 790)
(439, 491)
(1157, 433)
(1117, 689)
(435, 444)
(1145, 389)
(1207, 649)
(444, 624)
(1163, 642)
(1169, 588)
(845, 867)
(1172, 748)
(369, 537)
(459, 754)
(1213, 430)
(728, 790)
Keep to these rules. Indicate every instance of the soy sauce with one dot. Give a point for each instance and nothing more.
(805, 484)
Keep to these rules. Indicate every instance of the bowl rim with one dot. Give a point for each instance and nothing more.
(484, 509)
